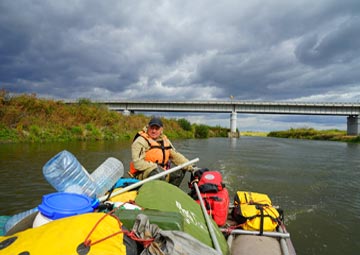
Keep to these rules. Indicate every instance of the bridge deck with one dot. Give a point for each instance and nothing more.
(352, 110)
(256, 107)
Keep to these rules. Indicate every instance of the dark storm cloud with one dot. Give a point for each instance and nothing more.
(337, 46)
(62, 46)
(251, 50)
(296, 54)
(182, 50)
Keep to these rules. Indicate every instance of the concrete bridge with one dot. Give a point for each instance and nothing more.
(351, 110)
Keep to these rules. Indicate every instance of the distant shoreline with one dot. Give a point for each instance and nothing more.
(28, 119)
(307, 134)
(313, 134)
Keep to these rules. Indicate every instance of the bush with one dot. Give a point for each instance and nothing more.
(218, 131)
(77, 131)
(355, 139)
(184, 124)
(201, 131)
(7, 134)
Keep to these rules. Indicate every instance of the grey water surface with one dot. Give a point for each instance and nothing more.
(316, 183)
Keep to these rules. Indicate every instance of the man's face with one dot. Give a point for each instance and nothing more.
(154, 131)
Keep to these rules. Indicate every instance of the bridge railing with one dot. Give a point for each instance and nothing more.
(255, 107)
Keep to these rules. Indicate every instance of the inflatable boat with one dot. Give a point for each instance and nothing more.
(152, 217)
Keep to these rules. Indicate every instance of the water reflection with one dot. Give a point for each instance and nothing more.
(233, 142)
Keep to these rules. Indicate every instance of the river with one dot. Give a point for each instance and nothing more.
(315, 182)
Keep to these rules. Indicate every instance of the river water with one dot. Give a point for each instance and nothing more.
(315, 182)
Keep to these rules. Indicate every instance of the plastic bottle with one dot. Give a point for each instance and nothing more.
(66, 174)
(107, 174)
(16, 218)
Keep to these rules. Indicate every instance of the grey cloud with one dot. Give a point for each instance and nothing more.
(310, 119)
(337, 45)
(253, 50)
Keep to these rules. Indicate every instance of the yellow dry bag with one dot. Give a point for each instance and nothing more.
(68, 236)
(254, 211)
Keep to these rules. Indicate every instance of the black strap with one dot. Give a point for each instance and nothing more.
(261, 220)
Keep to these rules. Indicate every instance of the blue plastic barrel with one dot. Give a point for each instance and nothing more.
(62, 204)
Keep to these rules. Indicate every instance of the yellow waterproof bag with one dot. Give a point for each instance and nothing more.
(92, 233)
(254, 211)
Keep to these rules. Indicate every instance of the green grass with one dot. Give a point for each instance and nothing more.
(253, 133)
(26, 118)
(313, 134)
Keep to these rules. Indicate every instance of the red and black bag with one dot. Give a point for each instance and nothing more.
(213, 193)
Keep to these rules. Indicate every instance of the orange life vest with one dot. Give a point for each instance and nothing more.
(158, 153)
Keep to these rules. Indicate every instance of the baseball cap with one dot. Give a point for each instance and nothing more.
(156, 122)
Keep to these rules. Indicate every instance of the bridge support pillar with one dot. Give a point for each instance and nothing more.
(126, 112)
(353, 125)
(233, 119)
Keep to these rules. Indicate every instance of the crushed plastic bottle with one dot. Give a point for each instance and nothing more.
(107, 174)
(65, 173)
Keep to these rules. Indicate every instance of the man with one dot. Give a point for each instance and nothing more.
(152, 153)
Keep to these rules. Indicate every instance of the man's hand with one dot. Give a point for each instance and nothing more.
(160, 169)
(191, 168)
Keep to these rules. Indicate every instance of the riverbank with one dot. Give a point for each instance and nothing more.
(308, 134)
(312, 134)
(26, 118)
(253, 133)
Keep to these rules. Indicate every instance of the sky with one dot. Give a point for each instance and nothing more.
(270, 50)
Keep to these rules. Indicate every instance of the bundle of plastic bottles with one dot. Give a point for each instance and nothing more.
(65, 173)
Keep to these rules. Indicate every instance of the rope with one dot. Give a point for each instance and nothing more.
(88, 242)
(145, 242)
(131, 234)
(195, 180)
(229, 229)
